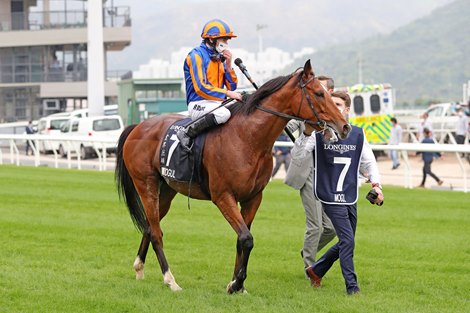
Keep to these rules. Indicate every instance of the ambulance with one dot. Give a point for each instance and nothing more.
(372, 109)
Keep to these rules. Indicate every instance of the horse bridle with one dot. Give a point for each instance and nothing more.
(305, 94)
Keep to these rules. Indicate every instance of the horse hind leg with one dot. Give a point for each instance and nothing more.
(166, 195)
(150, 195)
(141, 255)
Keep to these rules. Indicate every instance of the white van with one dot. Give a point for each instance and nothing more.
(50, 125)
(102, 127)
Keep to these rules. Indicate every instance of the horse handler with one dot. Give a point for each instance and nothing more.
(336, 186)
(319, 230)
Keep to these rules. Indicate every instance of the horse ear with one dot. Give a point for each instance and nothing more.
(307, 68)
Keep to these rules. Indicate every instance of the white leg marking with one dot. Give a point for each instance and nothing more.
(230, 285)
(242, 291)
(139, 268)
(169, 280)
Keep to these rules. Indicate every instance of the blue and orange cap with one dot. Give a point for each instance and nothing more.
(217, 28)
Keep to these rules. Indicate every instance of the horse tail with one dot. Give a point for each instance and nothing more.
(125, 185)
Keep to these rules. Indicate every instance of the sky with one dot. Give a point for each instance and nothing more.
(160, 27)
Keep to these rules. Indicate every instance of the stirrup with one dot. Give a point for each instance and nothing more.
(185, 141)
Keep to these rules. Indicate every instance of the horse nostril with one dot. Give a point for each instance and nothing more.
(346, 129)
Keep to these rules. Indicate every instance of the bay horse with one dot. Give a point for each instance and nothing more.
(233, 173)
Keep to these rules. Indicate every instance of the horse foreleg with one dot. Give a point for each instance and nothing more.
(150, 196)
(166, 196)
(228, 206)
(248, 211)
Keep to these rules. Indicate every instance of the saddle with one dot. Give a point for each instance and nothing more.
(176, 163)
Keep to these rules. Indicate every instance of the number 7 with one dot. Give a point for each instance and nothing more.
(342, 176)
(172, 148)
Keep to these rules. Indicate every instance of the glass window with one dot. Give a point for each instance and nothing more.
(358, 103)
(375, 104)
(437, 111)
(57, 124)
(65, 127)
(75, 126)
(107, 124)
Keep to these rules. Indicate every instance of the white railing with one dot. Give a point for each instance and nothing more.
(98, 144)
(404, 148)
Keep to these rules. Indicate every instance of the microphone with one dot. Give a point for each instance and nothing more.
(242, 67)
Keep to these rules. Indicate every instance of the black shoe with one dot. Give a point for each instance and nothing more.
(354, 291)
(185, 141)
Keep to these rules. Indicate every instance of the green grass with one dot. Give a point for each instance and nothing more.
(67, 245)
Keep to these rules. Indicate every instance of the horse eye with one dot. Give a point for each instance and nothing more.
(319, 94)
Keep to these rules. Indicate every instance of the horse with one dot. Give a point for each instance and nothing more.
(233, 173)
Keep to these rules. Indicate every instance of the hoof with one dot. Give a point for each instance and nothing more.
(139, 275)
(175, 287)
(139, 269)
(231, 290)
(169, 280)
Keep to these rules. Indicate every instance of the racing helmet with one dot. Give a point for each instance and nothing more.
(217, 28)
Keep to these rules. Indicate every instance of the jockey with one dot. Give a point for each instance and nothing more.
(207, 69)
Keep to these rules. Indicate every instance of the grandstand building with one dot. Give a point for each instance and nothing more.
(43, 55)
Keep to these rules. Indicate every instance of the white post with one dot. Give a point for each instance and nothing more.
(95, 58)
(359, 68)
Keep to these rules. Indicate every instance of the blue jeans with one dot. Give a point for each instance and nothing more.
(394, 157)
(344, 219)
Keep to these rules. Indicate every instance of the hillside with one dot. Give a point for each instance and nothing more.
(426, 59)
(162, 27)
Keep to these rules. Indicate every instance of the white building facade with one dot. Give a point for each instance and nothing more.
(262, 66)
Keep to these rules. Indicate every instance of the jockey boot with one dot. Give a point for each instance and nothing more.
(187, 135)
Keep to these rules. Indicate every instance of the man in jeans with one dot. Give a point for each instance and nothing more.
(395, 138)
(281, 155)
(428, 157)
(336, 186)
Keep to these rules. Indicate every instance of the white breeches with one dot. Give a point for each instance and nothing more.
(199, 108)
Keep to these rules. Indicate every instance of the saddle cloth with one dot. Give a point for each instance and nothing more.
(175, 162)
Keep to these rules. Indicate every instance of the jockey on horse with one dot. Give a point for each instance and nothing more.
(207, 69)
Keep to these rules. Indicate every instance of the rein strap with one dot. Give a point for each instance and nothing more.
(291, 117)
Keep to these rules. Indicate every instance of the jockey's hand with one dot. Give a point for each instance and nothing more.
(234, 95)
(228, 58)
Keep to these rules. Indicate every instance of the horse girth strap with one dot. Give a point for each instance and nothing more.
(289, 117)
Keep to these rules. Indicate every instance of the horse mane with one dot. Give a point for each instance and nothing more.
(267, 89)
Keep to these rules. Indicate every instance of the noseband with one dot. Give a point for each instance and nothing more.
(302, 85)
